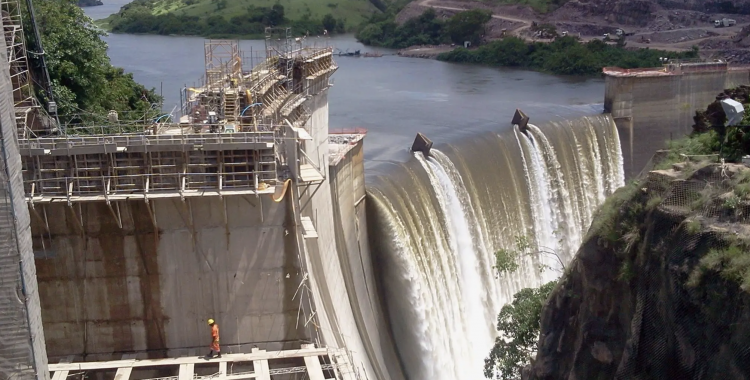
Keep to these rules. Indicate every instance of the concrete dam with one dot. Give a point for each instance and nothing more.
(247, 210)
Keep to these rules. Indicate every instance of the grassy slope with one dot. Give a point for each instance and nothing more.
(353, 11)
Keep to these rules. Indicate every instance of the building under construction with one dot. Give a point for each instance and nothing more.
(241, 209)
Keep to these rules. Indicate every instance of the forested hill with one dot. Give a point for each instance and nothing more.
(247, 18)
(89, 3)
(85, 84)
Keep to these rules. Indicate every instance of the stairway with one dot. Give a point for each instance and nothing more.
(231, 106)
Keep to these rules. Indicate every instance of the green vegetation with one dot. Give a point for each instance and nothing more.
(565, 55)
(506, 260)
(518, 325)
(606, 221)
(699, 144)
(247, 18)
(89, 3)
(693, 226)
(732, 263)
(382, 30)
(468, 26)
(85, 83)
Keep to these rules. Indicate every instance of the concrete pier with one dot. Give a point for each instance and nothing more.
(651, 106)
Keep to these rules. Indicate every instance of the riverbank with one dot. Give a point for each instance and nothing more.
(426, 51)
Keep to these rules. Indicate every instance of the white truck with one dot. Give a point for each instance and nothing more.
(725, 22)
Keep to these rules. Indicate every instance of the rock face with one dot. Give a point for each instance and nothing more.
(710, 6)
(638, 303)
(645, 12)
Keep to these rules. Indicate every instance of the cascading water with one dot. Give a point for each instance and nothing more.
(436, 222)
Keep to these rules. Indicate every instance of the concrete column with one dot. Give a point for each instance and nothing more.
(22, 350)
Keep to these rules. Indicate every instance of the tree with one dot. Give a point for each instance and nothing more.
(276, 15)
(518, 325)
(85, 84)
(506, 261)
(329, 23)
(468, 26)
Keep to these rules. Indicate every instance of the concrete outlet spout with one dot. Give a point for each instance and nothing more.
(422, 144)
(521, 120)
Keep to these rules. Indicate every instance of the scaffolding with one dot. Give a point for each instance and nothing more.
(75, 169)
(24, 101)
(223, 63)
(279, 44)
(309, 361)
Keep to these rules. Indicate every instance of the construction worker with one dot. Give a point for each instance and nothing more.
(214, 339)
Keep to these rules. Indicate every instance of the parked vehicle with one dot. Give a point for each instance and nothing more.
(725, 22)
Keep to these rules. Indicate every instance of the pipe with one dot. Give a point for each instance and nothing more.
(159, 118)
(279, 195)
(246, 108)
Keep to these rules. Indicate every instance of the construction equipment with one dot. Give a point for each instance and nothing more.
(621, 33)
(725, 22)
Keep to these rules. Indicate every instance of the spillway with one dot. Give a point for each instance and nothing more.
(436, 221)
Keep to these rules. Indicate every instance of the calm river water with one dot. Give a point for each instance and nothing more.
(393, 97)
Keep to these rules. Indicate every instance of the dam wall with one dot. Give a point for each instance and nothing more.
(651, 106)
(150, 285)
(436, 221)
(22, 350)
(277, 267)
(341, 273)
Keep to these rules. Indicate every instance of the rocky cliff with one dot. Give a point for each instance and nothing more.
(680, 13)
(659, 289)
(709, 6)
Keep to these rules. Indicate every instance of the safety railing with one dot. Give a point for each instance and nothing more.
(141, 140)
(644, 70)
(146, 184)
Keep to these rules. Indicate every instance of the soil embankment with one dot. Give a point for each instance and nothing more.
(428, 51)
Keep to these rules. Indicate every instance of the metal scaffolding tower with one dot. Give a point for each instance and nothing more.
(279, 44)
(24, 101)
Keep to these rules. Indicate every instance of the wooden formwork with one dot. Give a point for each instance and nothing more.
(86, 170)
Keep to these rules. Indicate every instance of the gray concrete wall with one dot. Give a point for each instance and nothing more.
(106, 289)
(141, 287)
(340, 269)
(22, 348)
(347, 179)
(649, 111)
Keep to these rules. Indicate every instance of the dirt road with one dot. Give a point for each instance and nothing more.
(526, 23)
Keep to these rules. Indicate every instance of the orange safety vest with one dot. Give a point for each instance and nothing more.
(215, 336)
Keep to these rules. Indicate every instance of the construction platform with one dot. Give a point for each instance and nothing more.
(140, 166)
(308, 361)
(239, 133)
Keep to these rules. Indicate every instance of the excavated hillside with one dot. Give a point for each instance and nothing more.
(659, 289)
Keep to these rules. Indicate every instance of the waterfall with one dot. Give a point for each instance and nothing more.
(435, 223)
